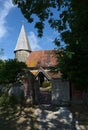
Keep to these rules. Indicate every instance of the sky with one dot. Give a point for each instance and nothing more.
(11, 20)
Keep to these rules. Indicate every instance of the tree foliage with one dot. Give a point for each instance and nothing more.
(9, 70)
(71, 23)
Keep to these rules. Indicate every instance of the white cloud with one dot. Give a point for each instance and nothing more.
(33, 40)
(4, 11)
(3, 58)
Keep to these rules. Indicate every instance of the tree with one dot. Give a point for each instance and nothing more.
(9, 70)
(74, 63)
(71, 23)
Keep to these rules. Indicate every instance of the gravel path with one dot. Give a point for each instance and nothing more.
(54, 118)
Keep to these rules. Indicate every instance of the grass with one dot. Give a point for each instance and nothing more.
(17, 118)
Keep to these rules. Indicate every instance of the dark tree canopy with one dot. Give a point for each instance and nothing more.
(9, 70)
(71, 23)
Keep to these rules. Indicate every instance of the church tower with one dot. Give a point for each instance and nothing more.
(22, 49)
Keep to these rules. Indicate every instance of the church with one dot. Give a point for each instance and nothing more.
(39, 62)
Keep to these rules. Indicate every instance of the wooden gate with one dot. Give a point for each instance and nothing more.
(60, 92)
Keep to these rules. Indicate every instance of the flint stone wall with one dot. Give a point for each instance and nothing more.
(16, 90)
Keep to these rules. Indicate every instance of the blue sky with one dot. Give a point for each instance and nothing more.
(10, 26)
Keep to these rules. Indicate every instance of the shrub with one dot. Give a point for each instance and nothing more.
(4, 99)
(46, 84)
(9, 70)
(11, 100)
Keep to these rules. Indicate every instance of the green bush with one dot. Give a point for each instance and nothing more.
(11, 100)
(4, 100)
(46, 84)
(14, 68)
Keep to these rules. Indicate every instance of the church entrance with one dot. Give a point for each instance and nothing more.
(45, 89)
(41, 78)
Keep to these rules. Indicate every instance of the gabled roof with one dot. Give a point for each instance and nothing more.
(43, 58)
(44, 73)
(47, 73)
(22, 42)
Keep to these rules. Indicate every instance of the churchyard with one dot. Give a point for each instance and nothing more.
(52, 101)
(16, 118)
(20, 115)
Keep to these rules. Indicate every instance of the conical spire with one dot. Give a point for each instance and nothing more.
(22, 43)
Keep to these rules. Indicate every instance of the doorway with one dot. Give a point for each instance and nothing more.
(45, 89)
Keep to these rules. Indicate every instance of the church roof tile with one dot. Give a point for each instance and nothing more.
(42, 58)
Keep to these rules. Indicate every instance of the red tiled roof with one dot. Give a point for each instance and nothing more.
(54, 75)
(43, 58)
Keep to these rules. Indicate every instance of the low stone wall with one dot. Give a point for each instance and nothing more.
(28, 86)
(4, 88)
(17, 89)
